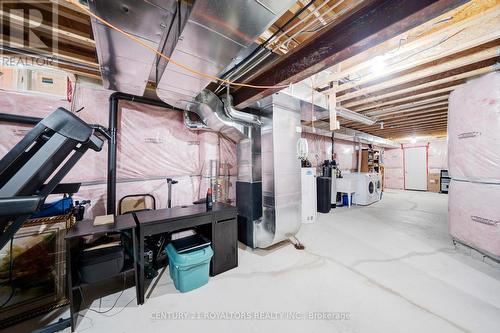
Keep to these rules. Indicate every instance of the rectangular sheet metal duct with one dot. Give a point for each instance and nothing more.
(278, 188)
(215, 34)
(125, 64)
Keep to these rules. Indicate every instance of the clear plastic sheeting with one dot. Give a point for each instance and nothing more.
(320, 148)
(474, 215)
(153, 142)
(393, 168)
(438, 156)
(153, 145)
(346, 155)
(30, 105)
(474, 130)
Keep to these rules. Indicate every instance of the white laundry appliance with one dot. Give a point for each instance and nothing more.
(367, 186)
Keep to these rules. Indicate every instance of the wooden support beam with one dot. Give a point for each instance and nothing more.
(478, 27)
(427, 72)
(312, 9)
(433, 133)
(377, 22)
(417, 121)
(403, 115)
(60, 53)
(436, 124)
(408, 99)
(410, 133)
(439, 101)
(460, 74)
(21, 21)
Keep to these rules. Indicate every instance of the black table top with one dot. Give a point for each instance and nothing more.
(87, 227)
(175, 213)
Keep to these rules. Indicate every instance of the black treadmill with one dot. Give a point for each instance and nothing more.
(35, 166)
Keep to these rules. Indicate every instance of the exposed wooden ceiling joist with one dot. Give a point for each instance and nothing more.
(417, 113)
(59, 32)
(428, 70)
(375, 23)
(430, 119)
(408, 99)
(422, 67)
(416, 106)
(435, 39)
(429, 84)
(424, 123)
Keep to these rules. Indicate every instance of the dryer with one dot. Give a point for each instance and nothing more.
(367, 187)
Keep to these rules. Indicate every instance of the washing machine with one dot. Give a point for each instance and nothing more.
(378, 185)
(368, 187)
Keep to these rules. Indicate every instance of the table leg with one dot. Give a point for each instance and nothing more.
(69, 285)
(136, 264)
(349, 200)
(140, 298)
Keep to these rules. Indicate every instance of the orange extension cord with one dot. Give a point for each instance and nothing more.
(187, 68)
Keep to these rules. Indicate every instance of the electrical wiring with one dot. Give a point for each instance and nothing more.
(187, 68)
(114, 304)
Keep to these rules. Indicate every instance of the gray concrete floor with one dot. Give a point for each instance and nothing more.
(388, 267)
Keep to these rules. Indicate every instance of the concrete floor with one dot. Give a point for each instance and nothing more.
(389, 267)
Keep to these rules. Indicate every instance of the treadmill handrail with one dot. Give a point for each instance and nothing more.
(19, 205)
(67, 124)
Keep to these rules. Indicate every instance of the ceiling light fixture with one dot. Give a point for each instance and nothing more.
(354, 116)
(378, 66)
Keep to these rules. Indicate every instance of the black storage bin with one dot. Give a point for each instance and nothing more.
(225, 244)
(101, 263)
(324, 194)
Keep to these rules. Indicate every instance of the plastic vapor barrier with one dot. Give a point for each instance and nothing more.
(474, 164)
(474, 215)
(474, 130)
(153, 145)
(393, 168)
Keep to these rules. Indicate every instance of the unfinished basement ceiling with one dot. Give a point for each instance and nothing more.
(403, 82)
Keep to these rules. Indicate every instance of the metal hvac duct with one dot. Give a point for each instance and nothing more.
(215, 34)
(281, 192)
(125, 64)
(208, 36)
(268, 182)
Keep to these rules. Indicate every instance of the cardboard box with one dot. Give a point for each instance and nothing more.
(433, 181)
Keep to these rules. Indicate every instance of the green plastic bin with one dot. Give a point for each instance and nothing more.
(189, 270)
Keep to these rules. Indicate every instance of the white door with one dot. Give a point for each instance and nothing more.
(416, 168)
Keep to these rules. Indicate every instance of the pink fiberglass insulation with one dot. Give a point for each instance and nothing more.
(438, 156)
(153, 144)
(394, 178)
(474, 130)
(393, 168)
(393, 158)
(30, 105)
(320, 148)
(474, 215)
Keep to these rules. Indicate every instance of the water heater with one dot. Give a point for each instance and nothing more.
(308, 186)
